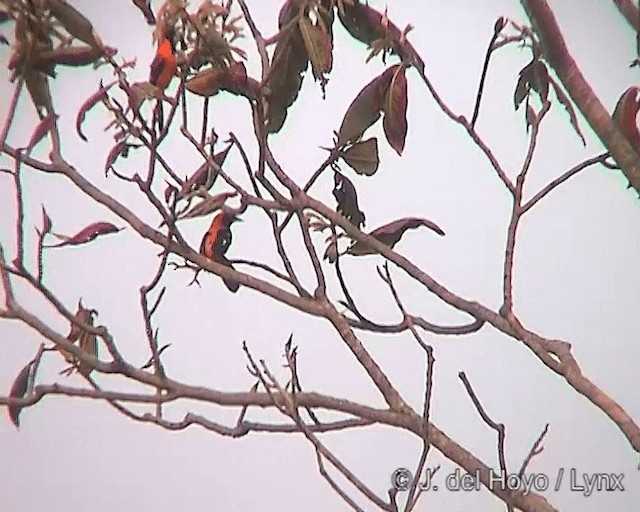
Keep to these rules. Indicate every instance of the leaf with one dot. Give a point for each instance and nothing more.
(120, 149)
(395, 111)
(207, 206)
(46, 221)
(331, 253)
(522, 89)
(75, 22)
(231, 78)
(390, 234)
(625, 116)
(205, 176)
(540, 79)
(89, 104)
(289, 61)
(319, 46)
(365, 108)
(88, 234)
(38, 86)
(145, 8)
(18, 390)
(362, 157)
(74, 56)
(566, 102)
(347, 198)
(43, 128)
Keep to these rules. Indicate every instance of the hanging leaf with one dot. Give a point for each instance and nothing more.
(89, 104)
(533, 76)
(365, 109)
(347, 198)
(289, 61)
(87, 234)
(331, 253)
(395, 111)
(18, 390)
(390, 234)
(319, 46)
(522, 89)
(75, 22)
(38, 86)
(566, 103)
(86, 341)
(362, 157)
(625, 116)
(145, 8)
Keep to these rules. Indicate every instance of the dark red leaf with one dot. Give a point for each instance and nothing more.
(88, 234)
(88, 105)
(625, 116)
(365, 108)
(347, 198)
(43, 128)
(395, 111)
(390, 234)
(114, 154)
(18, 390)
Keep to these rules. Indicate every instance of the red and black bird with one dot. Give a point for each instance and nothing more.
(164, 65)
(216, 242)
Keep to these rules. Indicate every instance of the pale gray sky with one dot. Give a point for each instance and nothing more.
(575, 278)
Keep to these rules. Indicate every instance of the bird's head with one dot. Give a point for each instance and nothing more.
(230, 217)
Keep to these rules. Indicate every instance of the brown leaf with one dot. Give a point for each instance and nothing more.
(347, 198)
(533, 76)
(566, 103)
(395, 111)
(231, 78)
(288, 12)
(118, 150)
(205, 176)
(74, 56)
(289, 61)
(365, 108)
(625, 116)
(362, 157)
(145, 9)
(43, 128)
(38, 86)
(87, 234)
(522, 89)
(86, 341)
(18, 390)
(331, 253)
(89, 104)
(319, 47)
(75, 22)
(390, 234)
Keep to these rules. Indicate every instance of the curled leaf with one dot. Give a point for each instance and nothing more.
(625, 116)
(347, 198)
(75, 22)
(87, 234)
(88, 105)
(566, 103)
(362, 156)
(395, 111)
(231, 78)
(43, 128)
(118, 150)
(390, 234)
(18, 390)
(365, 108)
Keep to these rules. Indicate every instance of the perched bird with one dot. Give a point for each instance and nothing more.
(216, 242)
(164, 65)
(390, 234)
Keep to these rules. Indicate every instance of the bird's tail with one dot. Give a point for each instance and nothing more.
(229, 283)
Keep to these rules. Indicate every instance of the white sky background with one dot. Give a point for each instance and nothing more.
(575, 278)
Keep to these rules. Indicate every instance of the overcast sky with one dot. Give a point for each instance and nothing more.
(576, 279)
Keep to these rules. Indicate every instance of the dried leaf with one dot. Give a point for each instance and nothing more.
(566, 103)
(390, 234)
(319, 47)
(289, 62)
(540, 79)
(395, 111)
(75, 22)
(88, 234)
(347, 198)
(205, 176)
(38, 86)
(331, 253)
(145, 9)
(362, 157)
(43, 128)
(232, 79)
(18, 390)
(365, 108)
(86, 341)
(625, 116)
(89, 104)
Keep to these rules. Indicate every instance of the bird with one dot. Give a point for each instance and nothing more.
(164, 64)
(216, 242)
(390, 234)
